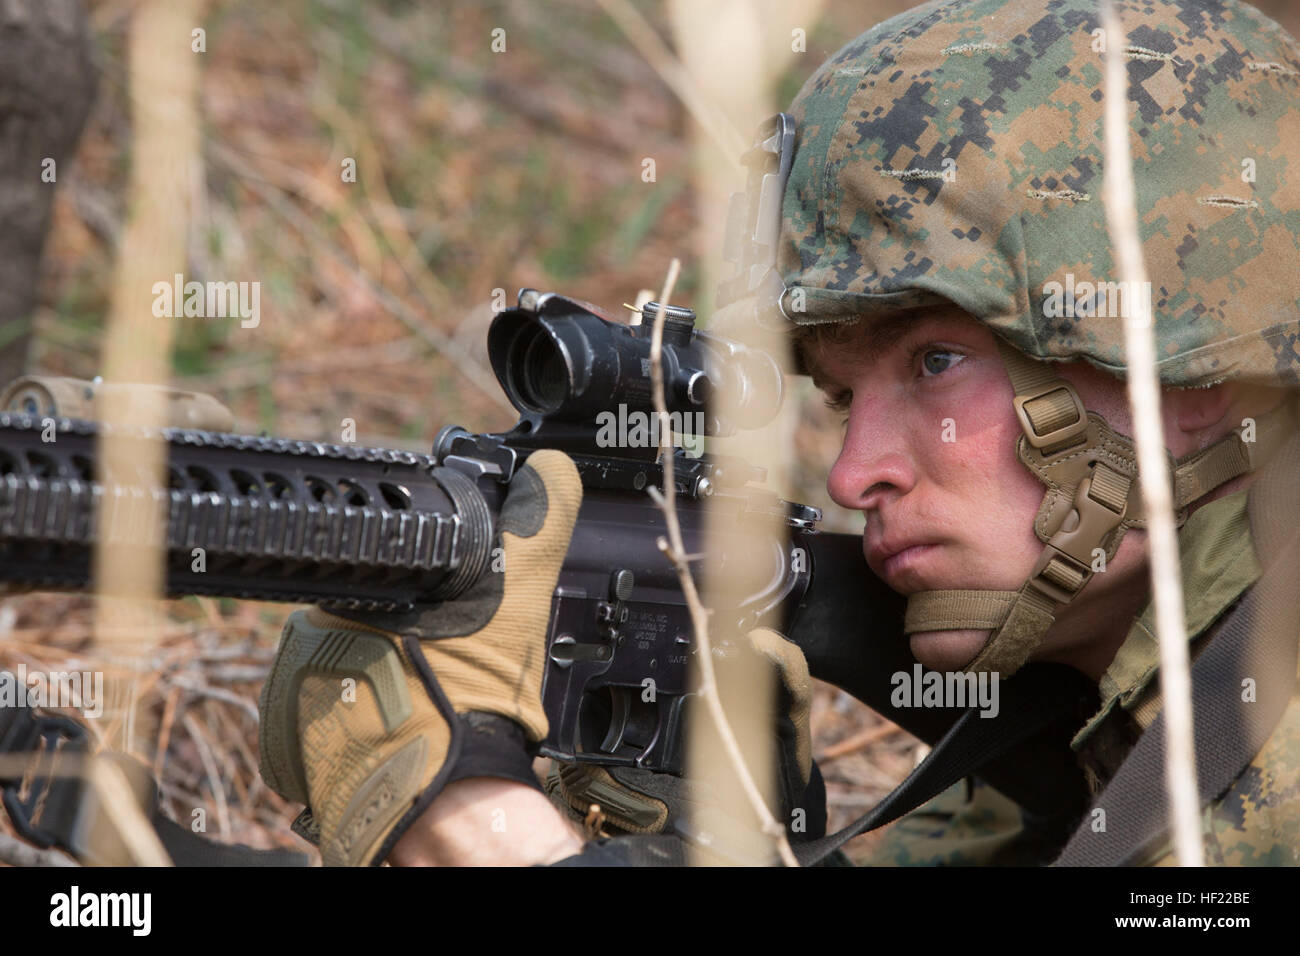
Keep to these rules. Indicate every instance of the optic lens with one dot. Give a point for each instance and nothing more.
(543, 379)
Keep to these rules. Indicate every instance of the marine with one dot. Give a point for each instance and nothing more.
(914, 298)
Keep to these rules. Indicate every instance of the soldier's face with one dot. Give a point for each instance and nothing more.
(929, 458)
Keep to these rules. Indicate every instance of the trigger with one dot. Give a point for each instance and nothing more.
(619, 709)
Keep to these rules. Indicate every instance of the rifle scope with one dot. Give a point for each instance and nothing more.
(561, 360)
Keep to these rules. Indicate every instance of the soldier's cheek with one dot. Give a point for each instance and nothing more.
(964, 445)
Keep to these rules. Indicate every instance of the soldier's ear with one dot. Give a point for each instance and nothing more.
(1199, 408)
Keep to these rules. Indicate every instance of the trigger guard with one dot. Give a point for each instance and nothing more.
(620, 710)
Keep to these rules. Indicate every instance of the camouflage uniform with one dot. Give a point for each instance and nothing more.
(1257, 821)
(953, 154)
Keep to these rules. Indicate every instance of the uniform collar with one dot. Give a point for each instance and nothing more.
(1218, 560)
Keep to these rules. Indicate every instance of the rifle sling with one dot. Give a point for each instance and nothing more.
(1030, 704)
(58, 810)
(190, 849)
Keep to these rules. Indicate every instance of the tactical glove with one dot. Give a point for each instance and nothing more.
(367, 717)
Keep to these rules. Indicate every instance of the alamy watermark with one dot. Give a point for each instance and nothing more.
(1086, 299)
(83, 690)
(922, 688)
(208, 300)
(638, 429)
(130, 910)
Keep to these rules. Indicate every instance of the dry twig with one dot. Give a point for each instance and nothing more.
(1153, 470)
(675, 549)
(117, 801)
(859, 741)
(17, 853)
(210, 768)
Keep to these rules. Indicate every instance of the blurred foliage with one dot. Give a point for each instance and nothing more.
(476, 171)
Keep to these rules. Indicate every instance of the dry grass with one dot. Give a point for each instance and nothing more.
(200, 688)
(476, 171)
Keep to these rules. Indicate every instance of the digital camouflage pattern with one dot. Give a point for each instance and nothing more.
(955, 153)
(1257, 821)
(969, 824)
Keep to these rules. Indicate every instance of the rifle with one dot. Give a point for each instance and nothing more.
(379, 529)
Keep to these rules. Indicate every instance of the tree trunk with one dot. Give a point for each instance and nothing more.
(47, 85)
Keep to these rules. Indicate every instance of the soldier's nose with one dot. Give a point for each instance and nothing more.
(872, 465)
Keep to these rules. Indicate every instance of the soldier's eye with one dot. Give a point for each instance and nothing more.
(839, 400)
(937, 361)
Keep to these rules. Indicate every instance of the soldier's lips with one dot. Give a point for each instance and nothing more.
(893, 561)
(905, 561)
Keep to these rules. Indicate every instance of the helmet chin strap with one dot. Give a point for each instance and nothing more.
(1092, 498)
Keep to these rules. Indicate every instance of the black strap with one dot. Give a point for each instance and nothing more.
(850, 628)
(495, 746)
(189, 849)
(1032, 701)
(45, 809)
(1258, 640)
(60, 811)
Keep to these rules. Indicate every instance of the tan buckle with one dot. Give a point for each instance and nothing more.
(1074, 547)
(1068, 434)
(1057, 592)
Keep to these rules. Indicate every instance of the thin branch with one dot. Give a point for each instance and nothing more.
(1153, 471)
(117, 801)
(675, 549)
(135, 347)
(165, 733)
(17, 853)
(210, 769)
(859, 740)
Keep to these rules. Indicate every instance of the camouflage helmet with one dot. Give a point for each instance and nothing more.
(953, 155)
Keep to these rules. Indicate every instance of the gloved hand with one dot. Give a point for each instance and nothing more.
(366, 718)
(637, 801)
